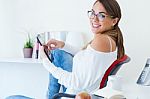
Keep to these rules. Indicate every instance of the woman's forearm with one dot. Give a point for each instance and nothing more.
(70, 49)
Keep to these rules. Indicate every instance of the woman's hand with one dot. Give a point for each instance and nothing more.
(83, 95)
(54, 44)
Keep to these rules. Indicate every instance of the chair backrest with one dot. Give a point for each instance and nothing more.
(113, 69)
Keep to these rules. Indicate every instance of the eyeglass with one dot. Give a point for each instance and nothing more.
(101, 15)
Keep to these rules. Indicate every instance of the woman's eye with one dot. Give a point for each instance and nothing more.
(92, 13)
(101, 16)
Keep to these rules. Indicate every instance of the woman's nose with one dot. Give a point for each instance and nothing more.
(95, 19)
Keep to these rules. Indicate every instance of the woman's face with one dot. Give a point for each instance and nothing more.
(100, 20)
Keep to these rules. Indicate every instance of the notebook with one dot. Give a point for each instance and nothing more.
(109, 93)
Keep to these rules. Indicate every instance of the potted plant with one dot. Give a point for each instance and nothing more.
(28, 48)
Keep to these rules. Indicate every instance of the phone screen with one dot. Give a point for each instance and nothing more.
(40, 40)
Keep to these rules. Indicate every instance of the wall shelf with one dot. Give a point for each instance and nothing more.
(20, 60)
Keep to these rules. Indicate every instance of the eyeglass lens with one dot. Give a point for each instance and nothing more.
(92, 15)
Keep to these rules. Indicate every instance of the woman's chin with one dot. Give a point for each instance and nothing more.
(95, 31)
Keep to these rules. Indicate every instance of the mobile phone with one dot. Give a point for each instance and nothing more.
(144, 78)
(41, 42)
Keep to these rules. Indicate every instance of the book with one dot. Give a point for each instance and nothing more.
(109, 93)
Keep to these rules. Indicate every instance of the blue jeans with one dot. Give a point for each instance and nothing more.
(18, 97)
(60, 59)
(63, 60)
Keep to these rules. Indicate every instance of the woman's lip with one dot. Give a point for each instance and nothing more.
(96, 25)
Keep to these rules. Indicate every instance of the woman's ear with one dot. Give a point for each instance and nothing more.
(115, 21)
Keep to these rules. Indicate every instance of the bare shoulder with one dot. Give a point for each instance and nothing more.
(103, 44)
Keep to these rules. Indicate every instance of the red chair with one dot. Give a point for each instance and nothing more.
(112, 70)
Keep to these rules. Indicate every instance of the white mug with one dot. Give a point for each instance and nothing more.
(115, 82)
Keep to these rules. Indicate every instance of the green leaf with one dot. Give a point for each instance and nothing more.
(29, 42)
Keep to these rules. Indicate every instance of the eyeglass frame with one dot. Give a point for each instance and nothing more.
(99, 13)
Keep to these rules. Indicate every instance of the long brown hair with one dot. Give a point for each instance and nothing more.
(113, 9)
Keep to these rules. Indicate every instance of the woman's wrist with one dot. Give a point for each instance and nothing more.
(48, 65)
(62, 45)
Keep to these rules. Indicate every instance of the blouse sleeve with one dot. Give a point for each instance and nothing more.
(64, 77)
(70, 49)
(82, 75)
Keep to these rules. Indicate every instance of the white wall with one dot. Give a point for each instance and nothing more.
(135, 26)
(35, 16)
(20, 16)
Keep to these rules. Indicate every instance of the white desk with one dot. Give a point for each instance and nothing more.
(28, 77)
(23, 77)
(135, 91)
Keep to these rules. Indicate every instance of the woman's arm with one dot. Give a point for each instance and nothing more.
(70, 49)
(64, 77)
(83, 73)
(54, 44)
(58, 73)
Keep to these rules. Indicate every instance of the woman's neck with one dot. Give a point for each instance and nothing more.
(98, 35)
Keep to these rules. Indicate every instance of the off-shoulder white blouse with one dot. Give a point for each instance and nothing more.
(89, 67)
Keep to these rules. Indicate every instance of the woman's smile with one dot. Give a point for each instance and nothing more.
(95, 25)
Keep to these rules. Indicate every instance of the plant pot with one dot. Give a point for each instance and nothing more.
(27, 52)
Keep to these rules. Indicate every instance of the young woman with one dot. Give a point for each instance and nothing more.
(89, 64)
(85, 71)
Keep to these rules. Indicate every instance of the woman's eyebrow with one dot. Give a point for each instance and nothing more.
(102, 12)
(99, 12)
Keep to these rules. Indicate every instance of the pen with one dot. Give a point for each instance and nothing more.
(37, 49)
